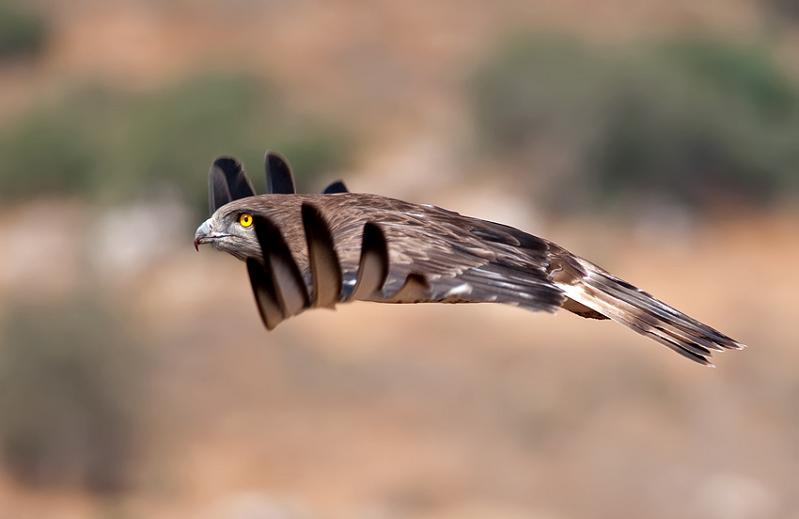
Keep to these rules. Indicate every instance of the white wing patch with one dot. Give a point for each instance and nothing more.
(460, 290)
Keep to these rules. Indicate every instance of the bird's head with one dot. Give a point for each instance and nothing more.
(230, 229)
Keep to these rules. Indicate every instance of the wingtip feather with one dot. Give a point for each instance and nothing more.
(644, 314)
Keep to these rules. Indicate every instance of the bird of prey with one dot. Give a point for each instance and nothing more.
(316, 250)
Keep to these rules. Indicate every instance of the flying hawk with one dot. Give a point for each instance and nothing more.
(307, 250)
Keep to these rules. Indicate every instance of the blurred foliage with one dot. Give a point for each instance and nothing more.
(68, 396)
(686, 120)
(112, 144)
(22, 32)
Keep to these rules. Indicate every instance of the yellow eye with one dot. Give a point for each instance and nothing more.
(245, 219)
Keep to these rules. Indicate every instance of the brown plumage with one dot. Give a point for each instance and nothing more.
(305, 251)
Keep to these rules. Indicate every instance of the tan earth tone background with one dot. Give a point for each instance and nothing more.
(136, 379)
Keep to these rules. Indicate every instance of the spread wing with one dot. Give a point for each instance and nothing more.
(366, 247)
(434, 255)
(320, 250)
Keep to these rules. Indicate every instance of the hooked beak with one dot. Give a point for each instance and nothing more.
(203, 234)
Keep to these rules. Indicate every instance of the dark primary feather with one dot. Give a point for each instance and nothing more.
(290, 287)
(373, 264)
(279, 179)
(322, 258)
(381, 249)
(227, 181)
(335, 187)
(263, 289)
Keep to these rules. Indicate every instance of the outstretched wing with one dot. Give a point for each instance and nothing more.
(460, 259)
(366, 247)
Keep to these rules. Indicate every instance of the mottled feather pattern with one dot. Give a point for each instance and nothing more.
(425, 240)
(310, 251)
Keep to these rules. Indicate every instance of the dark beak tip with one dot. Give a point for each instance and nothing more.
(197, 245)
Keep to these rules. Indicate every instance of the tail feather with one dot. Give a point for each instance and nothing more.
(634, 308)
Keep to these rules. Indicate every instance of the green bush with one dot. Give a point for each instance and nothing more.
(45, 153)
(22, 32)
(748, 74)
(689, 120)
(69, 395)
(114, 145)
(533, 87)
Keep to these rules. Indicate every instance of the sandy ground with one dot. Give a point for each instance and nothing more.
(465, 411)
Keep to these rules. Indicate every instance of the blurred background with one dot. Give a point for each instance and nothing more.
(659, 139)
